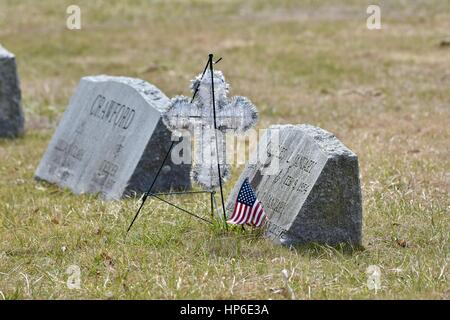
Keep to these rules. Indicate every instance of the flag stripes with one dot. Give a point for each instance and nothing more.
(248, 209)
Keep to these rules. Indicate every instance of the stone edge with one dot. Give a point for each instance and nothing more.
(143, 87)
(327, 141)
(5, 53)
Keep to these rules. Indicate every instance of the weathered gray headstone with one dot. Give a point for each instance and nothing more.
(11, 115)
(314, 193)
(111, 140)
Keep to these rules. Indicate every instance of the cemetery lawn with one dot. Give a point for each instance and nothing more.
(384, 93)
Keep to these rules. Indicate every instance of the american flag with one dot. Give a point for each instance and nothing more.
(248, 209)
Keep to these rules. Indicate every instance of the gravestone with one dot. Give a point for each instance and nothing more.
(111, 140)
(311, 192)
(11, 115)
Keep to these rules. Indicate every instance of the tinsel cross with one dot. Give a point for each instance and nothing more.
(235, 115)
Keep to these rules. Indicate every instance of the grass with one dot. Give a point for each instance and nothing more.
(384, 93)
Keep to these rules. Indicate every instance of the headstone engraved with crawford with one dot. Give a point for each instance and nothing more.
(111, 140)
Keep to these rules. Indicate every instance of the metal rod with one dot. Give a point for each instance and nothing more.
(144, 198)
(211, 70)
(180, 208)
(196, 89)
(178, 193)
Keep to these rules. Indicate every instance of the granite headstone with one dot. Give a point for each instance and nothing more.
(111, 140)
(314, 194)
(11, 114)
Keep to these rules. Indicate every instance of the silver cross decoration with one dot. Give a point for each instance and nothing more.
(235, 115)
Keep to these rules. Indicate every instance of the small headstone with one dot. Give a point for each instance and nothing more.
(111, 140)
(314, 193)
(11, 114)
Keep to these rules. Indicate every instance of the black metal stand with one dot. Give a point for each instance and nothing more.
(211, 69)
(212, 193)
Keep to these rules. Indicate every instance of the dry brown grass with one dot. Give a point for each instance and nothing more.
(384, 93)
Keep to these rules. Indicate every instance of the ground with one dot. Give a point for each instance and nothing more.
(384, 93)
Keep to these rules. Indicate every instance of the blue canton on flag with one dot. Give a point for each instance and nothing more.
(248, 209)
